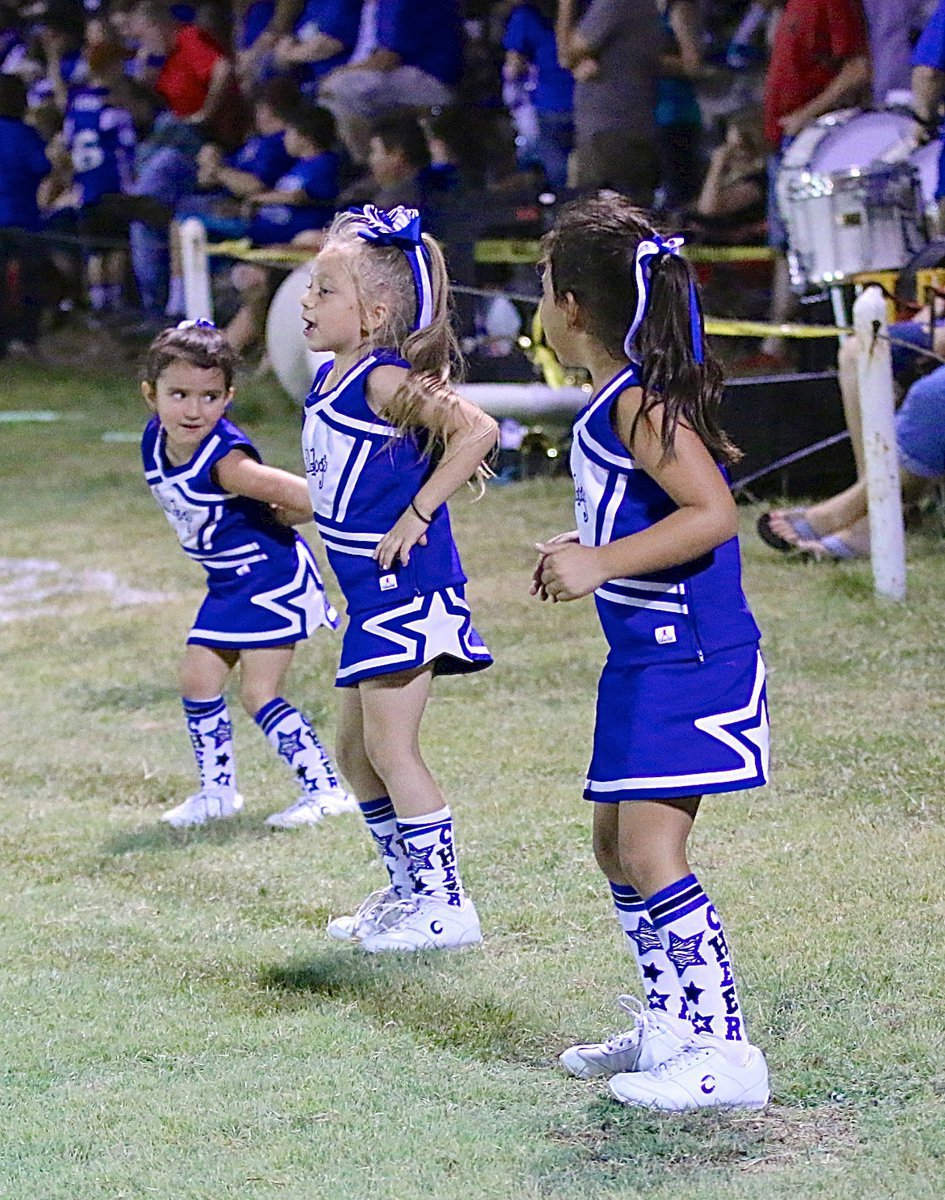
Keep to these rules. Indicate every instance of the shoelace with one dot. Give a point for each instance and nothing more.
(690, 1051)
(373, 904)
(642, 1020)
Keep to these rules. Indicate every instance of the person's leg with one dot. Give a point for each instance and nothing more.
(850, 395)
(262, 674)
(202, 674)
(658, 1031)
(440, 916)
(718, 1066)
(254, 285)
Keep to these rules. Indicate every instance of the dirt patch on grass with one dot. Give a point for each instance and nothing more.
(752, 1142)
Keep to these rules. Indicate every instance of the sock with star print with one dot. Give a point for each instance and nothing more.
(691, 933)
(661, 985)
(382, 824)
(211, 735)
(294, 740)
(428, 841)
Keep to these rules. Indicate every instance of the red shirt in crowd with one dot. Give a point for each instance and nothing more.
(184, 79)
(813, 40)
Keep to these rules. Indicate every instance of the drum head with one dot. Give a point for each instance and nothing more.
(858, 141)
(294, 364)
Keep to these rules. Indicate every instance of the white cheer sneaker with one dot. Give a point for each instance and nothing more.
(312, 807)
(655, 1036)
(202, 808)
(426, 923)
(371, 916)
(703, 1073)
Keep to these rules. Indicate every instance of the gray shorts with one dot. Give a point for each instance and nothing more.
(367, 94)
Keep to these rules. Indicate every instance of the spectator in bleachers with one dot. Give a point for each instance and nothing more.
(322, 38)
(398, 155)
(678, 117)
(100, 137)
(23, 164)
(613, 53)
(13, 49)
(257, 27)
(416, 62)
(820, 61)
(731, 203)
(531, 49)
(56, 61)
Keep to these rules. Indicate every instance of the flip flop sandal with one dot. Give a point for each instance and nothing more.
(799, 524)
(827, 549)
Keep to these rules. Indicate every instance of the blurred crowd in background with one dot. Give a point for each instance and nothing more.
(119, 119)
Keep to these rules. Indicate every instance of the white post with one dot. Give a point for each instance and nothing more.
(198, 303)
(884, 495)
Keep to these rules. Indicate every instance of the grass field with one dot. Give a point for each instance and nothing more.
(176, 1023)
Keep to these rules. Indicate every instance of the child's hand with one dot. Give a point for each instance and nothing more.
(559, 539)
(408, 532)
(567, 571)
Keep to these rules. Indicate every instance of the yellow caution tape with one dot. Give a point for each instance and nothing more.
(722, 327)
(510, 250)
(245, 251)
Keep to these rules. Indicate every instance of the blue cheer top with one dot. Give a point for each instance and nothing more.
(684, 612)
(362, 475)
(219, 530)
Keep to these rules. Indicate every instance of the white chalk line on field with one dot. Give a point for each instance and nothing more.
(33, 587)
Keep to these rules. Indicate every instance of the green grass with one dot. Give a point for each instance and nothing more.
(176, 1023)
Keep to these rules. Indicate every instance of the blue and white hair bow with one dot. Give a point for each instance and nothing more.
(648, 252)
(199, 323)
(400, 227)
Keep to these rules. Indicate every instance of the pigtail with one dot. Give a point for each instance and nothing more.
(672, 376)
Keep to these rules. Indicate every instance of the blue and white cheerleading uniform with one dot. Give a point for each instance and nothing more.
(681, 707)
(362, 475)
(264, 587)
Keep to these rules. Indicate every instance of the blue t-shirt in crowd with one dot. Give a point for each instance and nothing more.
(264, 156)
(428, 35)
(338, 19)
(23, 163)
(318, 178)
(530, 34)
(101, 139)
(257, 16)
(930, 48)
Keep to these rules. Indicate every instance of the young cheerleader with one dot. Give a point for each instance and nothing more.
(386, 443)
(232, 515)
(681, 708)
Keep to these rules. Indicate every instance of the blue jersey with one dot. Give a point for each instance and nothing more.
(220, 531)
(264, 156)
(684, 612)
(532, 35)
(318, 178)
(338, 19)
(23, 163)
(428, 36)
(101, 140)
(362, 475)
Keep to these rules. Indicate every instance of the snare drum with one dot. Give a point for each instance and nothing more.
(857, 220)
(843, 215)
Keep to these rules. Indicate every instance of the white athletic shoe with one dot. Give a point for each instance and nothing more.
(311, 807)
(203, 807)
(655, 1036)
(369, 917)
(701, 1074)
(426, 923)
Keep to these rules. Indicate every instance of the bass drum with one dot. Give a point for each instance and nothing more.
(294, 364)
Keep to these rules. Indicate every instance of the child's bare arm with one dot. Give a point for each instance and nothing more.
(242, 475)
(468, 436)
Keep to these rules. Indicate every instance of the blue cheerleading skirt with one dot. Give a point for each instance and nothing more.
(435, 627)
(678, 729)
(276, 601)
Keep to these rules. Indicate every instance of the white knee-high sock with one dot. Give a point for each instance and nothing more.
(293, 738)
(692, 936)
(211, 735)
(382, 825)
(428, 841)
(661, 985)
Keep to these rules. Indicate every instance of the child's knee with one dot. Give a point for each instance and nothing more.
(253, 697)
(387, 755)
(607, 854)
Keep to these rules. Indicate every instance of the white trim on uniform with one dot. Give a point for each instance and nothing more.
(672, 606)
